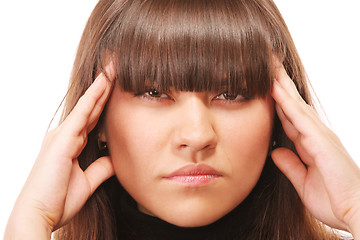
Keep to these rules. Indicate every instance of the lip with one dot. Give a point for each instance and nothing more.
(194, 175)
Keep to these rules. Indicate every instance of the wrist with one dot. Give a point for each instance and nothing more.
(354, 229)
(25, 225)
(354, 226)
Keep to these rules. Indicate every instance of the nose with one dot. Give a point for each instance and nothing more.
(194, 129)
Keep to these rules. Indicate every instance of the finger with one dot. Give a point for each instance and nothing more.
(283, 78)
(289, 86)
(287, 83)
(83, 184)
(110, 72)
(292, 167)
(297, 112)
(288, 127)
(98, 108)
(110, 69)
(79, 117)
(98, 172)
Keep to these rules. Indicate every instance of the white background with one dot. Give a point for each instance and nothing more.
(38, 40)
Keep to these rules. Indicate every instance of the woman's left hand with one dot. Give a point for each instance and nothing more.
(325, 176)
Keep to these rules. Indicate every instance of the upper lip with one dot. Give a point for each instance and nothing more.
(194, 170)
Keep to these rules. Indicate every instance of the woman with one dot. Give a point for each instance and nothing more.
(200, 99)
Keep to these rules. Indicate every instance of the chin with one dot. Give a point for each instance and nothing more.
(193, 221)
(196, 215)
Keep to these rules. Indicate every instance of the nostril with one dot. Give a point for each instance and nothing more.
(197, 148)
(209, 146)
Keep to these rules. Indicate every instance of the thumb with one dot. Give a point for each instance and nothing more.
(99, 171)
(290, 164)
(82, 186)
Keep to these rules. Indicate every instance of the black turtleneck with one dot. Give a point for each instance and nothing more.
(136, 225)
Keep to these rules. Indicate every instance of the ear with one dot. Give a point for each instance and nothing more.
(102, 139)
(109, 70)
(101, 130)
(102, 135)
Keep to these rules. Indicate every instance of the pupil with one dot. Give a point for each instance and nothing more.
(229, 96)
(154, 93)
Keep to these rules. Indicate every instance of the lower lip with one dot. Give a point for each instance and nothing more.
(194, 180)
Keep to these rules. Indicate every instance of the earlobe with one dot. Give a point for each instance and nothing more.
(102, 140)
(102, 145)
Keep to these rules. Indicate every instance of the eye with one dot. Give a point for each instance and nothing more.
(153, 95)
(231, 97)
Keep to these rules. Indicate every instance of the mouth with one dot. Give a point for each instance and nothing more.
(194, 175)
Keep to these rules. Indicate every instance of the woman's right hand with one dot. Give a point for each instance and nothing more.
(57, 187)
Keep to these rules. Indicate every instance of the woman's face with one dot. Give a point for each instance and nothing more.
(188, 158)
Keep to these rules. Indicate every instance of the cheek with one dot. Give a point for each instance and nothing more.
(244, 138)
(248, 137)
(132, 132)
(247, 133)
(132, 142)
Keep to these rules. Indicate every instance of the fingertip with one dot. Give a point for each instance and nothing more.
(98, 84)
(110, 70)
(279, 153)
(99, 171)
(107, 165)
(275, 91)
(110, 66)
(283, 153)
(276, 82)
(99, 76)
(279, 70)
(277, 63)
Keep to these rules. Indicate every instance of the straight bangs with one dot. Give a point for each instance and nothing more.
(195, 45)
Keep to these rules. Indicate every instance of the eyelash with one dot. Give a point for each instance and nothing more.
(225, 97)
(231, 98)
(147, 95)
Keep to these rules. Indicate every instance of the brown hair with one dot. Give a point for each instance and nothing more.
(195, 45)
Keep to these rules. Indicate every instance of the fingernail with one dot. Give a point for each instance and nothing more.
(99, 76)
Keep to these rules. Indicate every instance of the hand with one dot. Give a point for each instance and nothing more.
(326, 178)
(57, 187)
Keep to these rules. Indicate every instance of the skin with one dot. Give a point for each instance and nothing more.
(329, 183)
(150, 137)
